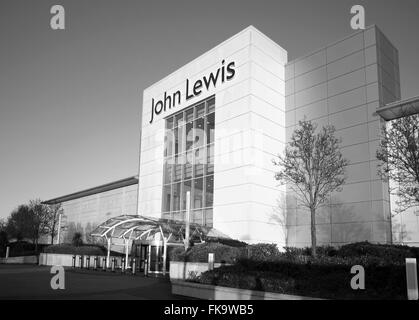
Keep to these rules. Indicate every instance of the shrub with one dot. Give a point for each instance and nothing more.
(199, 253)
(24, 248)
(314, 280)
(3, 242)
(388, 253)
(228, 242)
(263, 252)
(77, 239)
(91, 250)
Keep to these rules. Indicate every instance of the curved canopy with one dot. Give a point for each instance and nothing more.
(133, 227)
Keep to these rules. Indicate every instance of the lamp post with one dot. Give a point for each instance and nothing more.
(188, 217)
(59, 226)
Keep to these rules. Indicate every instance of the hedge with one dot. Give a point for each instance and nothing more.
(92, 250)
(23, 248)
(199, 253)
(312, 280)
(295, 271)
(389, 253)
(226, 254)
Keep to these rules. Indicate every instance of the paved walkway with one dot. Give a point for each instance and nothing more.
(33, 282)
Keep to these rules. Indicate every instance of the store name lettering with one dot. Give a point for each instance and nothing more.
(224, 73)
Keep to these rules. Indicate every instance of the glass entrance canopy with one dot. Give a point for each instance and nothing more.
(133, 227)
(154, 233)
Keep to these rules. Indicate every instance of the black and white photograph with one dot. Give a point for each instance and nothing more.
(193, 151)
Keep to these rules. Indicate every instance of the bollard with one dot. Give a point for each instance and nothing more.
(74, 261)
(87, 262)
(95, 263)
(104, 264)
(7, 252)
(210, 261)
(145, 267)
(133, 266)
(123, 265)
(113, 264)
(80, 261)
(412, 279)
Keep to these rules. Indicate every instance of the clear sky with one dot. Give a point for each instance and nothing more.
(70, 100)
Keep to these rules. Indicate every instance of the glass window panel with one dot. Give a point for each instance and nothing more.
(209, 191)
(189, 135)
(168, 167)
(189, 115)
(197, 193)
(208, 217)
(210, 159)
(169, 123)
(176, 142)
(166, 198)
(211, 105)
(197, 216)
(179, 215)
(199, 162)
(169, 140)
(178, 167)
(179, 119)
(179, 140)
(200, 110)
(187, 186)
(188, 165)
(210, 128)
(166, 215)
(176, 194)
(199, 133)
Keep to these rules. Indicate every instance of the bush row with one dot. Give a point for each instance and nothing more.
(22, 248)
(225, 254)
(316, 280)
(92, 250)
(364, 252)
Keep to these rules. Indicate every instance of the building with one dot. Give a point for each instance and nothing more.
(85, 210)
(213, 126)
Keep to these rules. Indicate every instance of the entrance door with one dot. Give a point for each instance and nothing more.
(156, 259)
(142, 251)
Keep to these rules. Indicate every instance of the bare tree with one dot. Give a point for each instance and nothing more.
(51, 218)
(19, 223)
(3, 225)
(39, 212)
(312, 167)
(399, 155)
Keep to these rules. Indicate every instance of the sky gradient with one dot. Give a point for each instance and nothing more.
(70, 100)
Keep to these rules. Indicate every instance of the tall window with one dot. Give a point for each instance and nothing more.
(189, 163)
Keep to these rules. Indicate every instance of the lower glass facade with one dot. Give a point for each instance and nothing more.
(189, 163)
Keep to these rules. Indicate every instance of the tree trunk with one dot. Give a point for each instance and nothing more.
(313, 232)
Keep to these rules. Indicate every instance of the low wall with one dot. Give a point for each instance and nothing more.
(209, 292)
(186, 270)
(66, 260)
(55, 259)
(20, 260)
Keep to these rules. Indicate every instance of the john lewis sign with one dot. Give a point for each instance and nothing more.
(222, 74)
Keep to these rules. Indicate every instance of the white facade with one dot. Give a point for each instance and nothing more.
(249, 131)
(342, 85)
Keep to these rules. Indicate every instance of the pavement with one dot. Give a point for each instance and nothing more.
(34, 282)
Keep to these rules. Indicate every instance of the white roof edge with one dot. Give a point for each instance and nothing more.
(333, 43)
(398, 110)
(247, 29)
(399, 103)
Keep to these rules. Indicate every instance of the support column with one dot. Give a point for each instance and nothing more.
(108, 256)
(126, 253)
(188, 219)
